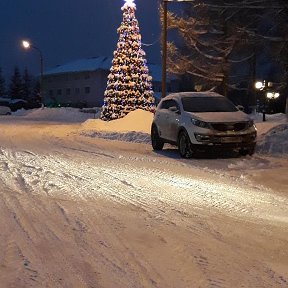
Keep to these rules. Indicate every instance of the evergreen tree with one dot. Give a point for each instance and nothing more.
(219, 46)
(129, 86)
(36, 97)
(2, 85)
(16, 87)
(26, 85)
(213, 39)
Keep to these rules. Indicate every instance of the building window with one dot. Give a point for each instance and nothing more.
(77, 90)
(87, 90)
(59, 92)
(51, 93)
(87, 76)
(68, 91)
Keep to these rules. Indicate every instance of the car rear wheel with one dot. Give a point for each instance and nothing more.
(184, 145)
(157, 142)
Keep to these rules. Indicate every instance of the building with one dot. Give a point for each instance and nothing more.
(82, 83)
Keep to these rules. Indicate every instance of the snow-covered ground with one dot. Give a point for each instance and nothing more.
(87, 203)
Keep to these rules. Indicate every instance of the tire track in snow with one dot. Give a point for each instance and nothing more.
(141, 187)
(157, 192)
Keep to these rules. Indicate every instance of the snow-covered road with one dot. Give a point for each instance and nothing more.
(81, 212)
(136, 181)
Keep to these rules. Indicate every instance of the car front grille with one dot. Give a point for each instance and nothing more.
(223, 127)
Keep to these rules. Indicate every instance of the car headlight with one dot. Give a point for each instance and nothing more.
(199, 123)
(250, 123)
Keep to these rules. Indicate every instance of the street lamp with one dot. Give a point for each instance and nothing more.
(272, 95)
(27, 45)
(259, 85)
(267, 94)
(164, 42)
(262, 86)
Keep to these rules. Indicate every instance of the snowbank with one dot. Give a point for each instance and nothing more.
(275, 141)
(272, 134)
(137, 121)
(67, 115)
(271, 121)
(132, 136)
(135, 127)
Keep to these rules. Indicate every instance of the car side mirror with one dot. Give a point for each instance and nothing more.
(240, 107)
(174, 109)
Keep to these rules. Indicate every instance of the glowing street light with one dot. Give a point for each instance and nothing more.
(272, 95)
(262, 86)
(259, 85)
(27, 45)
(268, 94)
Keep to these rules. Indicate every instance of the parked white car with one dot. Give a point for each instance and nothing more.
(5, 110)
(197, 121)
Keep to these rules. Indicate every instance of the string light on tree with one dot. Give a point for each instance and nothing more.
(129, 86)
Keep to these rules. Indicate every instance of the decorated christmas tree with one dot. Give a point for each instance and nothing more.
(129, 86)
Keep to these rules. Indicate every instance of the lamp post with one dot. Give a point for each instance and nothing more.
(164, 43)
(27, 45)
(267, 94)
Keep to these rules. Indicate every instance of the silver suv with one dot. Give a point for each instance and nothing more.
(197, 121)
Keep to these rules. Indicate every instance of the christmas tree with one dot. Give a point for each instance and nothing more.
(129, 86)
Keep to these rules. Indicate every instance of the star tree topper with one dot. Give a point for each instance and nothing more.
(130, 3)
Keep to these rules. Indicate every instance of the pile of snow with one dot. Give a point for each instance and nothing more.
(62, 114)
(271, 121)
(275, 141)
(134, 127)
(132, 136)
(137, 120)
(272, 134)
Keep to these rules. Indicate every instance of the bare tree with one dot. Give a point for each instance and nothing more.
(219, 40)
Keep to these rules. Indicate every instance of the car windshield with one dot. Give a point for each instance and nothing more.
(207, 104)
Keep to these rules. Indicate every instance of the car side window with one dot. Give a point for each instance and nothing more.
(173, 103)
(166, 104)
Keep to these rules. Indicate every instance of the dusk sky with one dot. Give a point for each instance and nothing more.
(68, 30)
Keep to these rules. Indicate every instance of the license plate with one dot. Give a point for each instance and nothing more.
(231, 139)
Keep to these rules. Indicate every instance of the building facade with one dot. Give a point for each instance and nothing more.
(82, 83)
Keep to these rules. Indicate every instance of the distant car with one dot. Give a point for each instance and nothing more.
(198, 121)
(5, 110)
(16, 104)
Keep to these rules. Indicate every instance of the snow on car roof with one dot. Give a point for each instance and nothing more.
(193, 94)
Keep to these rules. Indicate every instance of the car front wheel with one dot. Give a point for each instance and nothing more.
(157, 142)
(184, 145)
(247, 151)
